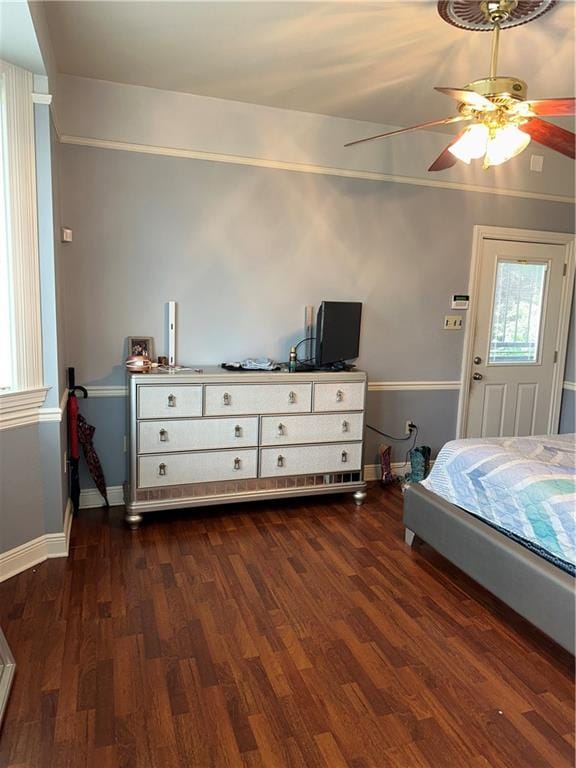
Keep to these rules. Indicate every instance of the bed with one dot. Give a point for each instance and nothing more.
(502, 510)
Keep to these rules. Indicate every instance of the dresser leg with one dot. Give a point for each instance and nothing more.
(359, 497)
(133, 519)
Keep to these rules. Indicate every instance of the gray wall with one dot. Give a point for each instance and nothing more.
(21, 488)
(243, 250)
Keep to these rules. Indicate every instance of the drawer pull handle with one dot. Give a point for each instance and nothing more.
(344, 456)
(345, 426)
(291, 397)
(237, 431)
(280, 430)
(171, 401)
(237, 463)
(163, 436)
(280, 462)
(226, 399)
(162, 469)
(339, 396)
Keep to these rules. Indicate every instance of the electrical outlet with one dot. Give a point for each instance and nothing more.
(452, 322)
(407, 427)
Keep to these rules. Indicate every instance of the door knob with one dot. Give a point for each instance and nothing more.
(477, 376)
(477, 360)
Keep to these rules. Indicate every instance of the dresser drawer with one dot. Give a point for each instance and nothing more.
(196, 434)
(313, 428)
(200, 467)
(310, 459)
(169, 402)
(221, 400)
(343, 396)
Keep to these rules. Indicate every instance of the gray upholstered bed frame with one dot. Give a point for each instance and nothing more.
(537, 590)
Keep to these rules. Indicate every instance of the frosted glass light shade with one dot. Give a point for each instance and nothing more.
(472, 143)
(505, 144)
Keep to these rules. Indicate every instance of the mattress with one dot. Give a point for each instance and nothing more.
(524, 487)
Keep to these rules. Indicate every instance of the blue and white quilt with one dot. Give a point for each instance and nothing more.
(523, 486)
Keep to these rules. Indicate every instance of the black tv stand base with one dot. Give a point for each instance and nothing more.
(332, 367)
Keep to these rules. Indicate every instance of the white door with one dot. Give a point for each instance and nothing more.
(516, 340)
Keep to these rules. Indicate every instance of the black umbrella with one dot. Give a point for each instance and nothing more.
(73, 444)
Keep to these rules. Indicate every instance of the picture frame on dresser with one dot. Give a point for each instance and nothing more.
(141, 346)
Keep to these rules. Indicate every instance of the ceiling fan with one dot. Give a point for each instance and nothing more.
(501, 122)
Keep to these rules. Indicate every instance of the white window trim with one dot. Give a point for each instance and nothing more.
(21, 404)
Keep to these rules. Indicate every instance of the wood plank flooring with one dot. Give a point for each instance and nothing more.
(300, 634)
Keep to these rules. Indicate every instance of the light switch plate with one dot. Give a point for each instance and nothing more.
(452, 322)
(65, 235)
(536, 163)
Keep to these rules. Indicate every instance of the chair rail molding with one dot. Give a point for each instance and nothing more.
(314, 168)
(114, 390)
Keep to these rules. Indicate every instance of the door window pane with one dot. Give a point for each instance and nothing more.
(517, 312)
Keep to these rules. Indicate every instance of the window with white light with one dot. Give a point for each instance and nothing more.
(6, 361)
(22, 388)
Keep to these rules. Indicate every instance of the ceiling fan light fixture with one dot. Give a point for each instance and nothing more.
(472, 144)
(504, 144)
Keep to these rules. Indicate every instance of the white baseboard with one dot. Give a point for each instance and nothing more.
(58, 544)
(36, 551)
(90, 498)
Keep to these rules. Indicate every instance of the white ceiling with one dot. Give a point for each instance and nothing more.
(18, 43)
(368, 61)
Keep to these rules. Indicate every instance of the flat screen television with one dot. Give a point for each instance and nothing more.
(337, 333)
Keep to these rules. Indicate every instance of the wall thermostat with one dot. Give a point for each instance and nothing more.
(460, 301)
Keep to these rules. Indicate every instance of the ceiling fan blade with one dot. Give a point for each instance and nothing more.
(446, 159)
(445, 121)
(552, 106)
(466, 96)
(551, 136)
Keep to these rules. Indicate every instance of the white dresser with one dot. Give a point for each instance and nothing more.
(212, 437)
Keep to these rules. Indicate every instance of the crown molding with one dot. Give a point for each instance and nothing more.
(281, 165)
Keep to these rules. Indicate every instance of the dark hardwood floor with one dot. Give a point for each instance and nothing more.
(288, 634)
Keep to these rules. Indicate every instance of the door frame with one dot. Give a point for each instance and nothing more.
(481, 234)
